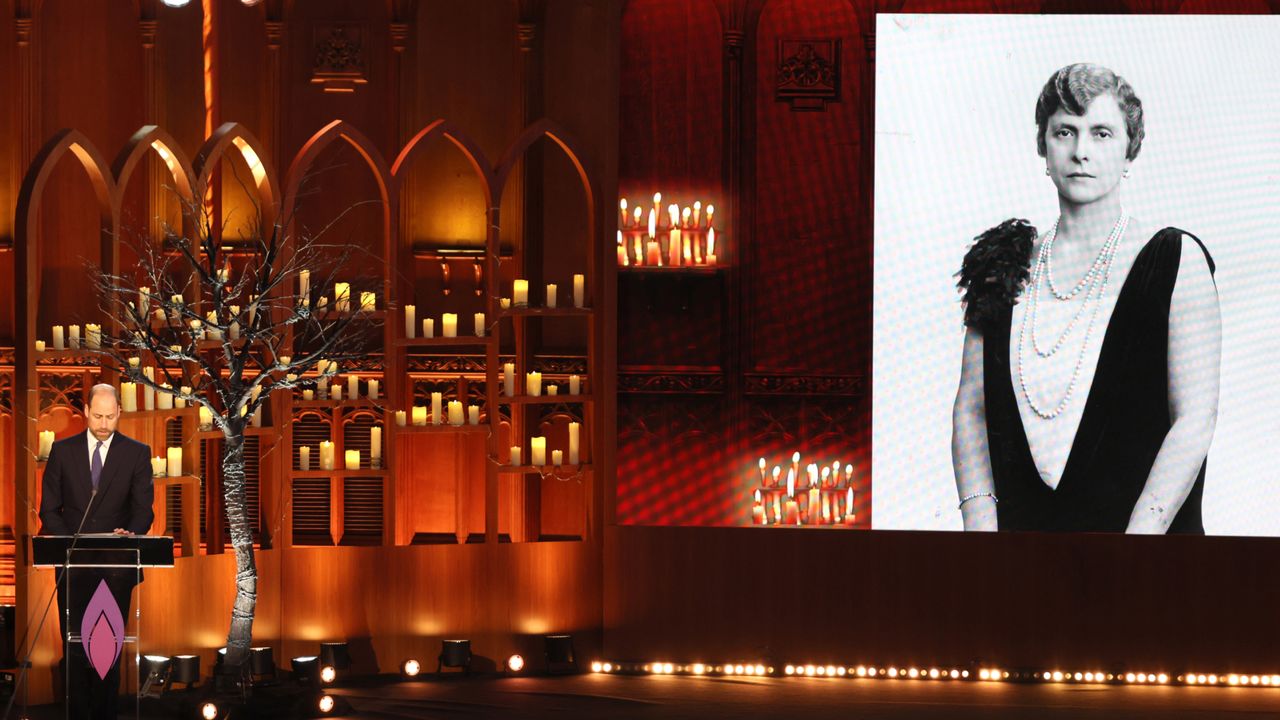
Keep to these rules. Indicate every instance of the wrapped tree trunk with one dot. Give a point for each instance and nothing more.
(242, 611)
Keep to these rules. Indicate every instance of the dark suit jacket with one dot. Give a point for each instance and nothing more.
(125, 489)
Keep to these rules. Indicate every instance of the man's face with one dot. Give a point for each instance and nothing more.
(104, 415)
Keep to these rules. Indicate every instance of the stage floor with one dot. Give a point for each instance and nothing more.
(695, 698)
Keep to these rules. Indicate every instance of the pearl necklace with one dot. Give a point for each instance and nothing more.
(1097, 279)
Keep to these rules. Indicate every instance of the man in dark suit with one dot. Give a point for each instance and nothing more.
(96, 482)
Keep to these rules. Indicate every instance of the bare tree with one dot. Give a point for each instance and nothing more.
(223, 325)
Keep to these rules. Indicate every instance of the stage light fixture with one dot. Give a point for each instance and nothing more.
(515, 663)
(176, 3)
(262, 664)
(328, 674)
(326, 703)
(305, 669)
(220, 657)
(410, 668)
(596, 667)
(335, 655)
(209, 711)
(155, 669)
(185, 670)
(559, 652)
(455, 654)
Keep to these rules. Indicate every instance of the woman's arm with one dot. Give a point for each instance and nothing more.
(1195, 353)
(970, 453)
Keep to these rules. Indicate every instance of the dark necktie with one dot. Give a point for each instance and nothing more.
(95, 469)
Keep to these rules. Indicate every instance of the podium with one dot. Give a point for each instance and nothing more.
(96, 576)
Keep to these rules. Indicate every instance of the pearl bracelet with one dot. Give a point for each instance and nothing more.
(967, 498)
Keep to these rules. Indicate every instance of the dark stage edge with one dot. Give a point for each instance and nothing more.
(694, 698)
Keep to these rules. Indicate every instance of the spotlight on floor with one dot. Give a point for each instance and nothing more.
(455, 654)
(335, 655)
(306, 669)
(410, 668)
(186, 670)
(262, 665)
(209, 711)
(156, 669)
(328, 674)
(559, 651)
(515, 663)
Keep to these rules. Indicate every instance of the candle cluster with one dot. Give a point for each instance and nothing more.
(538, 450)
(341, 296)
(69, 337)
(820, 495)
(533, 385)
(455, 417)
(683, 238)
(520, 293)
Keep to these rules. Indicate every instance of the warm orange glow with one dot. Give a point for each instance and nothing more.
(207, 41)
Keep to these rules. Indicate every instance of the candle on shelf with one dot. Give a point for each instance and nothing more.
(848, 477)
(234, 329)
(304, 458)
(304, 286)
(74, 337)
(39, 346)
(322, 304)
(623, 258)
(814, 502)
(579, 290)
(653, 254)
(322, 387)
(557, 457)
(826, 509)
(353, 459)
(697, 212)
(197, 329)
(776, 472)
(504, 303)
(515, 455)
(128, 396)
(58, 341)
(181, 402)
(375, 446)
(401, 418)
(353, 387)
(711, 211)
(762, 465)
(158, 466)
(134, 363)
(148, 392)
(551, 295)
(428, 327)
(508, 379)
(636, 215)
(520, 293)
(144, 301)
(46, 444)
(342, 297)
(653, 223)
(173, 464)
(575, 431)
(206, 418)
(791, 483)
(335, 392)
(575, 384)
(437, 400)
(479, 319)
(368, 301)
(374, 386)
(639, 249)
(211, 318)
(622, 205)
(410, 321)
(93, 336)
(164, 398)
(308, 395)
(538, 451)
(711, 246)
(688, 249)
(455, 413)
(673, 247)
(826, 477)
(533, 383)
(791, 513)
(552, 389)
(284, 360)
(473, 414)
(326, 454)
(848, 508)
(757, 515)
(419, 415)
(777, 509)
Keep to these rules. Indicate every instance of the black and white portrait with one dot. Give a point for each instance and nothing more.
(1073, 247)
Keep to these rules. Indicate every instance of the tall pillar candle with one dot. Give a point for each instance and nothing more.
(335, 392)
(173, 466)
(46, 444)
(352, 458)
(533, 383)
(449, 325)
(419, 415)
(374, 386)
(304, 286)
(93, 336)
(368, 301)
(164, 400)
(579, 290)
(575, 430)
(304, 458)
(551, 295)
(515, 455)
(375, 445)
(508, 379)
(428, 327)
(59, 342)
(353, 387)
(128, 396)
(74, 339)
(575, 385)
(342, 297)
(473, 414)
(149, 393)
(326, 454)
(436, 405)
(538, 451)
(455, 413)
(479, 324)
(144, 301)
(520, 293)
(410, 321)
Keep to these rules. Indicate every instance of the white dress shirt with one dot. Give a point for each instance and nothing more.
(93, 444)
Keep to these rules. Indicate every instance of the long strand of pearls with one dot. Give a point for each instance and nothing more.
(1094, 269)
(1107, 256)
(1044, 265)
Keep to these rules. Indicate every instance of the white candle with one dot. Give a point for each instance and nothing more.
(368, 301)
(504, 303)
(557, 457)
(234, 329)
(58, 342)
(436, 402)
(552, 389)
(711, 246)
(455, 412)
(428, 327)
(164, 398)
(520, 293)
(410, 321)
(402, 418)
(46, 444)
(158, 466)
(538, 451)
(353, 459)
(74, 339)
(574, 437)
(128, 396)
(211, 318)
(326, 455)
(148, 393)
(515, 455)
(174, 464)
(575, 385)
(308, 395)
(206, 418)
(473, 414)
(304, 286)
(181, 402)
(533, 383)
(480, 324)
(449, 325)
(304, 458)
(93, 336)
(144, 301)
(39, 346)
(375, 444)
(373, 389)
(579, 291)
(335, 392)
(551, 295)
(342, 297)
(353, 387)
(508, 379)
(419, 415)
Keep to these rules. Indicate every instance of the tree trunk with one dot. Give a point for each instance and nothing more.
(241, 632)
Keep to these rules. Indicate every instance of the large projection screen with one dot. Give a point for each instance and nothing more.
(955, 154)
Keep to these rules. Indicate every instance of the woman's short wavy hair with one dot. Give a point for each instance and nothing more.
(1075, 86)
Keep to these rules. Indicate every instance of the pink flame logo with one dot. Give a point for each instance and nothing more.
(102, 630)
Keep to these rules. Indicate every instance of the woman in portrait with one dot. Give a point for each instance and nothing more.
(1089, 381)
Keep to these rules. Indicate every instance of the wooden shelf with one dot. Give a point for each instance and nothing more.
(248, 432)
(580, 398)
(364, 472)
(560, 471)
(357, 403)
(642, 270)
(145, 414)
(441, 429)
(443, 341)
(546, 312)
(329, 315)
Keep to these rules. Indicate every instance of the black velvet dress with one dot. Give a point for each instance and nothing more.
(1126, 414)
